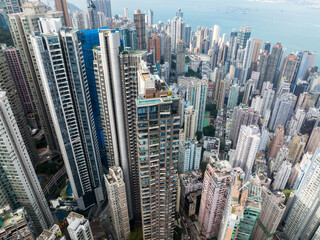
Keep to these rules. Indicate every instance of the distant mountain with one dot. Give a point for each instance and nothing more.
(73, 7)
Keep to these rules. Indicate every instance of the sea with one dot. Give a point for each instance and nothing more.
(294, 25)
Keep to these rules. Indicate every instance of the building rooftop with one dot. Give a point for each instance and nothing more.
(8, 218)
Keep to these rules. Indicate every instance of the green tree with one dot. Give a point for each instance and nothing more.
(209, 131)
(192, 73)
(222, 146)
(199, 135)
(137, 233)
(212, 108)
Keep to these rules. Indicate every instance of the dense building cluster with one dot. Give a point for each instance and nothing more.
(130, 129)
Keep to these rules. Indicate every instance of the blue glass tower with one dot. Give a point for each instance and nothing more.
(89, 40)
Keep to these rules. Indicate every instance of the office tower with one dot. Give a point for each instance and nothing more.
(79, 227)
(189, 155)
(296, 121)
(139, 21)
(66, 87)
(273, 64)
(242, 116)
(117, 200)
(179, 13)
(167, 50)
(128, 37)
(281, 176)
(181, 55)
(61, 6)
(288, 70)
(233, 45)
(15, 224)
(24, 22)
(54, 233)
(158, 123)
(104, 6)
(116, 78)
(302, 221)
(249, 90)
(177, 32)
(215, 35)
(296, 147)
(126, 14)
(8, 84)
(243, 36)
(79, 20)
(150, 18)
(280, 157)
(314, 142)
(306, 62)
(247, 147)
(187, 35)
(154, 47)
(272, 210)
(233, 96)
(241, 212)
(92, 14)
(190, 123)
(90, 40)
(24, 190)
(282, 110)
(215, 190)
(277, 141)
(262, 68)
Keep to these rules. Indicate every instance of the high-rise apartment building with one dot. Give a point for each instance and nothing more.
(66, 88)
(79, 227)
(167, 50)
(158, 123)
(272, 210)
(176, 32)
(233, 96)
(128, 35)
(281, 176)
(104, 6)
(262, 68)
(313, 142)
(215, 190)
(242, 116)
(117, 90)
(190, 122)
(117, 200)
(18, 180)
(189, 156)
(139, 21)
(303, 218)
(61, 6)
(273, 64)
(296, 147)
(290, 63)
(277, 141)
(8, 84)
(180, 60)
(154, 47)
(247, 147)
(150, 18)
(24, 25)
(282, 110)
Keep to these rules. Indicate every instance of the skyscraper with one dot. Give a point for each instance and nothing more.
(66, 88)
(289, 67)
(262, 68)
(176, 32)
(215, 190)
(117, 90)
(150, 18)
(181, 55)
(117, 200)
(215, 35)
(302, 221)
(277, 142)
(273, 64)
(272, 210)
(282, 110)
(26, 23)
(8, 84)
(158, 123)
(18, 178)
(281, 176)
(104, 6)
(233, 96)
(247, 147)
(243, 36)
(61, 5)
(139, 21)
(154, 47)
(313, 142)
(79, 227)
(189, 156)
